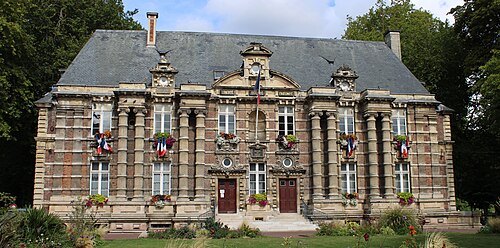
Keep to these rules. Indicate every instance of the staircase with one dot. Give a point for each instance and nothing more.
(277, 223)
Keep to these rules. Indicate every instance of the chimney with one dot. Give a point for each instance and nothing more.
(152, 16)
(393, 41)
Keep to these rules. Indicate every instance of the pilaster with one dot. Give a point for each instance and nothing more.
(121, 186)
(316, 156)
(139, 153)
(373, 183)
(183, 154)
(333, 176)
(200, 191)
(386, 145)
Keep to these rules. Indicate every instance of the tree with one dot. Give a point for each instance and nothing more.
(37, 39)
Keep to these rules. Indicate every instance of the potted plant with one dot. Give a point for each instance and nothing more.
(260, 199)
(227, 140)
(160, 201)
(402, 145)
(95, 200)
(405, 198)
(101, 142)
(350, 199)
(348, 142)
(286, 141)
(164, 141)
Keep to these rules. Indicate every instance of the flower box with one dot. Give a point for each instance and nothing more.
(163, 143)
(227, 141)
(258, 199)
(350, 199)
(160, 201)
(286, 142)
(405, 198)
(402, 145)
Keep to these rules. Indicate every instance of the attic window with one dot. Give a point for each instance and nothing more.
(219, 74)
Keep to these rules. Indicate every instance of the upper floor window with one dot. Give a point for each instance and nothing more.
(163, 118)
(161, 178)
(402, 177)
(399, 122)
(286, 121)
(99, 178)
(348, 177)
(101, 118)
(227, 119)
(346, 120)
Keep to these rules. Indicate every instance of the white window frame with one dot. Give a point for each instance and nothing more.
(346, 117)
(163, 175)
(399, 126)
(402, 170)
(227, 111)
(254, 188)
(101, 112)
(100, 172)
(164, 113)
(285, 112)
(347, 173)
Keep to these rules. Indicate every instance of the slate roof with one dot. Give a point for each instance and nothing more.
(110, 57)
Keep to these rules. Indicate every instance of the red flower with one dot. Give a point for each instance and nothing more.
(366, 236)
(413, 232)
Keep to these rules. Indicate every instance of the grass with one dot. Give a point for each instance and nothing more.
(460, 239)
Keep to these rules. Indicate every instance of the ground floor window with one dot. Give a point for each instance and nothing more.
(257, 178)
(99, 178)
(402, 177)
(161, 178)
(348, 177)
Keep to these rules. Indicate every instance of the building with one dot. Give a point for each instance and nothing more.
(327, 125)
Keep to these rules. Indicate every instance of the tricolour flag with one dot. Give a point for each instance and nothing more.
(404, 148)
(257, 88)
(161, 148)
(351, 146)
(102, 144)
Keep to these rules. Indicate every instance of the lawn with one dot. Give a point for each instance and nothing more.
(460, 239)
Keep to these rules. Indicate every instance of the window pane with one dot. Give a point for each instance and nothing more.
(344, 182)
(156, 184)
(166, 183)
(156, 167)
(166, 167)
(261, 167)
(352, 183)
(281, 110)
(105, 166)
(252, 167)
(342, 125)
(106, 122)
(95, 166)
(398, 183)
(351, 167)
(343, 167)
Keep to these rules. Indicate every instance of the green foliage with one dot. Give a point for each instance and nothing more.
(246, 231)
(493, 225)
(387, 231)
(42, 229)
(334, 229)
(399, 219)
(463, 205)
(9, 226)
(216, 229)
(83, 225)
(5, 201)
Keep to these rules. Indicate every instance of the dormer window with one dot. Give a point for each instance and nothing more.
(219, 74)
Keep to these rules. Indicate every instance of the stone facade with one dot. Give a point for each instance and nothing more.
(202, 168)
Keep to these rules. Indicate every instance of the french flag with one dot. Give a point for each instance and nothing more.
(351, 145)
(404, 148)
(161, 148)
(257, 88)
(102, 144)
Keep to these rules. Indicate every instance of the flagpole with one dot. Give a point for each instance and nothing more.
(257, 111)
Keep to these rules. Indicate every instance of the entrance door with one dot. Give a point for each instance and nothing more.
(227, 195)
(288, 196)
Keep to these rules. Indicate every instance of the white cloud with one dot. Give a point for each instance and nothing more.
(305, 18)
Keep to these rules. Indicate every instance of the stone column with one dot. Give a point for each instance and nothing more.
(41, 141)
(121, 184)
(200, 155)
(371, 129)
(386, 145)
(333, 175)
(316, 156)
(183, 154)
(139, 153)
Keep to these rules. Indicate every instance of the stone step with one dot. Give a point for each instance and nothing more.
(279, 222)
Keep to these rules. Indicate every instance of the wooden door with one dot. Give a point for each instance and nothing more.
(227, 195)
(288, 196)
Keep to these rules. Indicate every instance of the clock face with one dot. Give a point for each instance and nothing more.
(163, 80)
(344, 86)
(255, 69)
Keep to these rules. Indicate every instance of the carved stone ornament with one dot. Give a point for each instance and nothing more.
(286, 163)
(227, 142)
(344, 78)
(257, 152)
(227, 162)
(163, 72)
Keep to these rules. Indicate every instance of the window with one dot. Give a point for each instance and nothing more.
(161, 178)
(99, 178)
(227, 119)
(163, 118)
(399, 122)
(346, 120)
(402, 177)
(257, 178)
(101, 118)
(218, 74)
(348, 177)
(286, 120)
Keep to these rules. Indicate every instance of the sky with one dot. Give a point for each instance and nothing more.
(300, 18)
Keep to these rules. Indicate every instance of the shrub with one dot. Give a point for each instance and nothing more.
(9, 224)
(494, 225)
(398, 219)
(246, 231)
(333, 229)
(6, 201)
(185, 233)
(172, 233)
(437, 240)
(43, 229)
(216, 229)
(387, 231)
